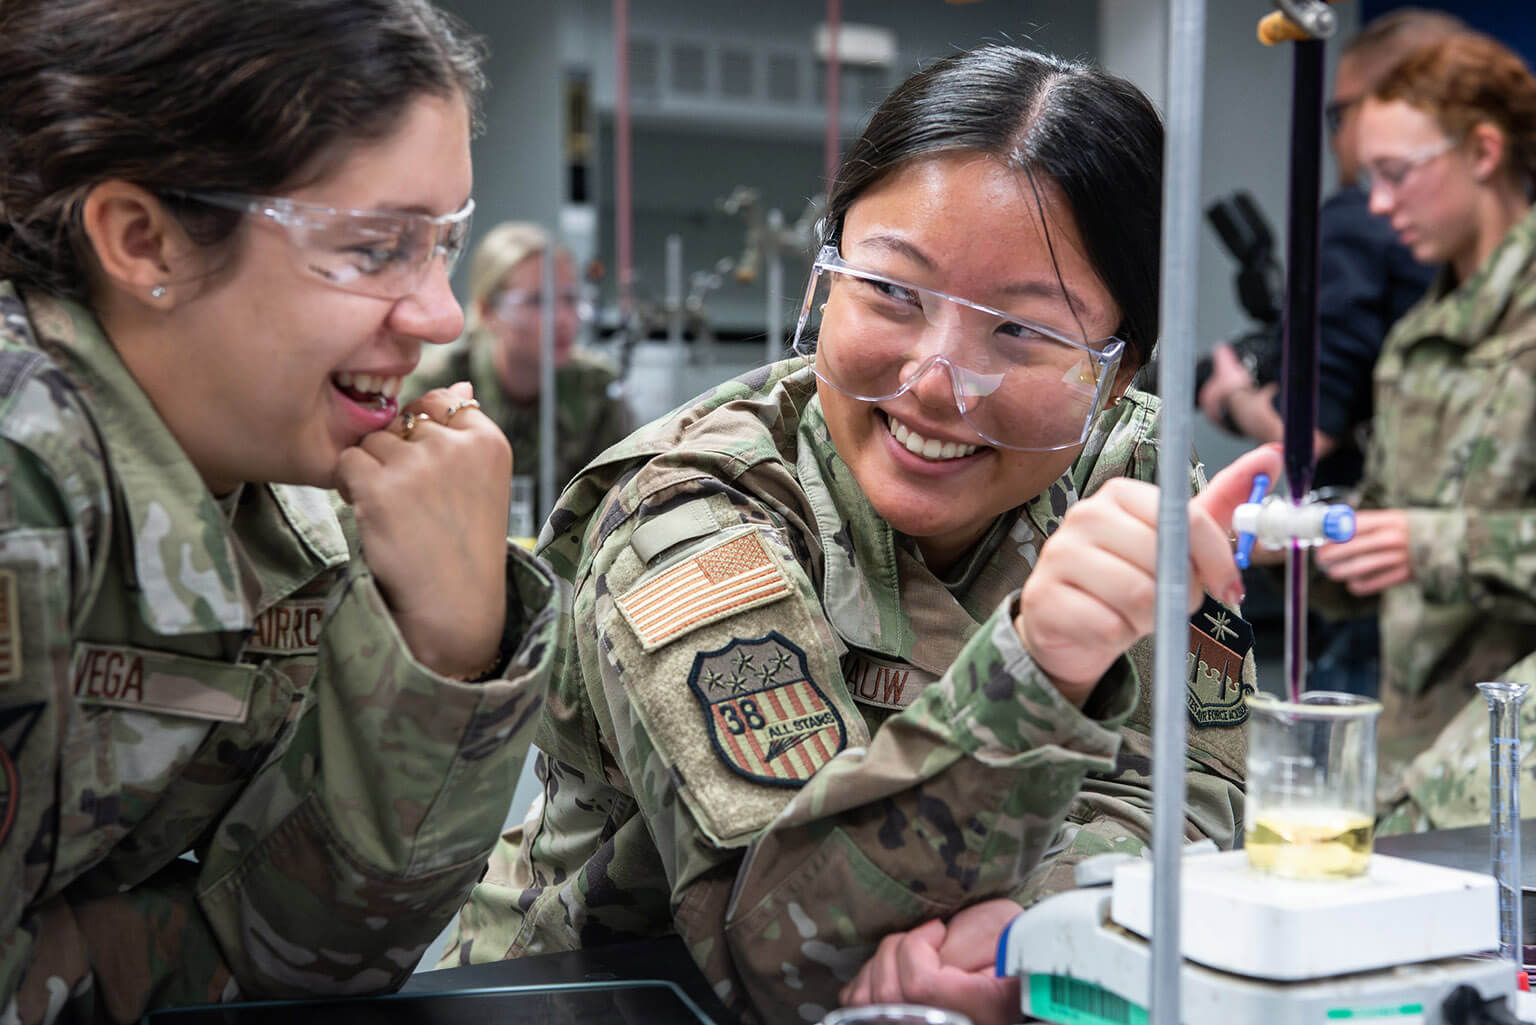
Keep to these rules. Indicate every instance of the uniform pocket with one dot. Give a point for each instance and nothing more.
(139, 719)
(801, 941)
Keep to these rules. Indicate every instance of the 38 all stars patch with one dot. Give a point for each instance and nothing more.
(768, 719)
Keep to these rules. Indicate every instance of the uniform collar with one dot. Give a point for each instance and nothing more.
(495, 402)
(492, 397)
(185, 566)
(876, 590)
(1471, 311)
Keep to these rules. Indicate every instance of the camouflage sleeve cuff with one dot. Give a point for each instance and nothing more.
(535, 597)
(532, 590)
(1005, 706)
(1437, 549)
(398, 735)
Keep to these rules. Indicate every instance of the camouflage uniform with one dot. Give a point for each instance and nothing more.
(180, 674)
(1447, 786)
(1455, 415)
(587, 418)
(774, 731)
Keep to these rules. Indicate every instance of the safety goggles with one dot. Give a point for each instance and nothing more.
(1018, 384)
(517, 305)
(381, 253)
(1393, 172)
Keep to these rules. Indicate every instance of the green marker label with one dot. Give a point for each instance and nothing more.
(1399, 1014)
(1069, 1001)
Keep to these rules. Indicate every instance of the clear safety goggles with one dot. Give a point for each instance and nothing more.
(381, 253)
(1392, 173)
(516, 305)
(1019, 385)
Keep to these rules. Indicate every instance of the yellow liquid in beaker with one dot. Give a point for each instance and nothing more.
(1310, 843)
(526, 542)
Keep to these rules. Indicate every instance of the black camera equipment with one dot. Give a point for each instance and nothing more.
(1245, 234)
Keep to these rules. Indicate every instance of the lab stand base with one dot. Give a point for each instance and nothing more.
(1079, 968)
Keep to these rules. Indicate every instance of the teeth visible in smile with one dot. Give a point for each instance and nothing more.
(928, 448)
(372, 384)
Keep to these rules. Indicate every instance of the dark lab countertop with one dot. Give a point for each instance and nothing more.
(632, 983)
(665, 958)
(1467, 848)
(650, 983)
(1471, 849)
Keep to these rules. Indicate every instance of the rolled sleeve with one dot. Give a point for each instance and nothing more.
(1000, 717)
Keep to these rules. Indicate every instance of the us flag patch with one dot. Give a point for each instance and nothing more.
(768, 719)
(733, 576)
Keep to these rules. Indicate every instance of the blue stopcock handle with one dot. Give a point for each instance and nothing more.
(1002, 950)
(1339, 523)
(1245, 539)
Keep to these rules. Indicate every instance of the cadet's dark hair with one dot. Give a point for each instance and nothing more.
(236, 95)
(1094, 136)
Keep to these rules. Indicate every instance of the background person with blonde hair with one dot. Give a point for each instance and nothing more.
(500, 355)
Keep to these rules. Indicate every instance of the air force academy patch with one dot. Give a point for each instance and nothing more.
(768, 719)
(1219, 641)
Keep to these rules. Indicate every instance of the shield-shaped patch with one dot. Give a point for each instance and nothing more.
(769, 720)
(1219, 640)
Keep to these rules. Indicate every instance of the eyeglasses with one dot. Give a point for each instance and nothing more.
(1333, 112)
(1393, 172)
(381, 253)
(1018, 384)
(515, 304)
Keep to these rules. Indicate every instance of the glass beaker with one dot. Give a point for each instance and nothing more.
(894, 1014)
(1311, 806)
(522, 521)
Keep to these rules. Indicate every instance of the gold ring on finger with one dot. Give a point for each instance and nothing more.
(466, 404)
(408, 424)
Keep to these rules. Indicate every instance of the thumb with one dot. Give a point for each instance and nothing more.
(931, 933)
(1233, 485)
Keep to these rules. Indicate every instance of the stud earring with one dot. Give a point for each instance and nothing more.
(158, 292)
